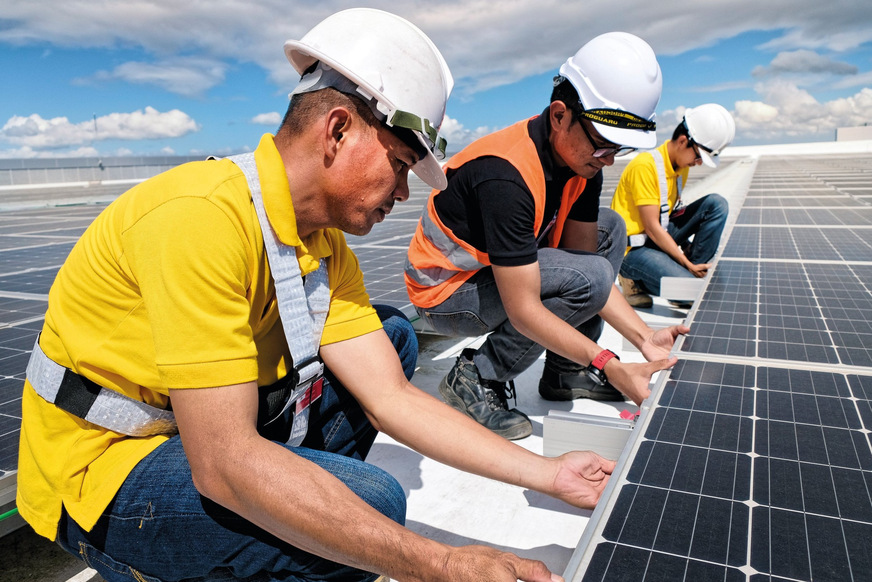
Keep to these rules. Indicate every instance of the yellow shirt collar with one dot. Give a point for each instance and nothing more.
(280, 207)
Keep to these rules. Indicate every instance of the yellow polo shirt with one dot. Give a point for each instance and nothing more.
(639, 185)
(168, 288)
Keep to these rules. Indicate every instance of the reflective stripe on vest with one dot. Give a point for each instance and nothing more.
(438, 262)
(302, 308)
(637, 240)
(459, 258)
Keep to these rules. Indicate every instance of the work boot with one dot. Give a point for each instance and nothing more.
(485, 401)
(681, 303)
(634, 296)
(555, 386)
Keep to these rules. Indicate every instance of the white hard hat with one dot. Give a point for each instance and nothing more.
(712, 128)
(390, 60)
(617, 74)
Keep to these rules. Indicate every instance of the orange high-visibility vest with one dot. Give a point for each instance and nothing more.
(439, 262)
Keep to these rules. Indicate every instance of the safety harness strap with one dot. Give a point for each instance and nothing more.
(303, 310)
(637, 240)
(302, 307)
(89, 401)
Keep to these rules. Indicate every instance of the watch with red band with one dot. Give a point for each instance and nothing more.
(595, 370)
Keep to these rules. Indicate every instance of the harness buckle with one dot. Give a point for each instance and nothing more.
(308, 372)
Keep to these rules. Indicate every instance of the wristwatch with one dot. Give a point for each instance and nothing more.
(595, 370)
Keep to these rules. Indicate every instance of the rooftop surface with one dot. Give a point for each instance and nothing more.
(822, 194)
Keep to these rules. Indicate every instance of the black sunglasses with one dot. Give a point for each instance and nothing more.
(604, 151)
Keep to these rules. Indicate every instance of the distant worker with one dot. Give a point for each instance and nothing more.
(666, 238)
(517, 246)
(211, 375)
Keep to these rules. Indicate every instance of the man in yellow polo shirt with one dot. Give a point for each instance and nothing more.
(211, 374)
(666, 238)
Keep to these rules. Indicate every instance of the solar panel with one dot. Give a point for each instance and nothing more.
(745, 471)
(821, 216)
(753, 459)
(848, 243)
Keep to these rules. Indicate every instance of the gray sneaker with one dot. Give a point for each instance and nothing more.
(485, 401)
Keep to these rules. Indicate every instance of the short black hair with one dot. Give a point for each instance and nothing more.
(565, 93)
(304, 107)
(680, 130)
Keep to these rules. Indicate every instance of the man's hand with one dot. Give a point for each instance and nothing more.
(478, 563)
(659, 343)
(633, 380)
(581, 477)
(699, 270)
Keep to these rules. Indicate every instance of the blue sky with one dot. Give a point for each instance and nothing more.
(169, 77)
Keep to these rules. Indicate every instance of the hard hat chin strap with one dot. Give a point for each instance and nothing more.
(323, 76)
(436, 143)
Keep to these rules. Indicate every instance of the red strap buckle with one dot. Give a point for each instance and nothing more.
(310, 396)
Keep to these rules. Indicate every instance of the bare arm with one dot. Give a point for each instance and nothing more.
(519, 289)
(650, 216)
(369, 368)
(237, 468)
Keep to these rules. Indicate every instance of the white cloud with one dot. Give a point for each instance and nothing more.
(719, 87)
(860, 80)
(787, 110)
(484, 47)
(190, 77)
(750, 115)
(804, 61)
(28, 152)
(458, 136)
(273, 118)
(59, 132)
(191, 47)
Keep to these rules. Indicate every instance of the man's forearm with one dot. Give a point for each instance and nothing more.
(456, 440)
(618, 313)
(667, 244)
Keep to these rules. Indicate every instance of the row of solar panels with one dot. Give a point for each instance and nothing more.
(754, 460)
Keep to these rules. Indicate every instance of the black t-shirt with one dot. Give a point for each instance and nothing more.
(488, 205)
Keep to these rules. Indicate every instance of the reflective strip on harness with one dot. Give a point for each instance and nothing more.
(664, 189)
(101, 406)
(638, 240)
(303, 309)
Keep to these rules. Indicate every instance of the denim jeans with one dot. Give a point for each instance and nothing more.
(704, 220)
(575, 286)
(159, 528)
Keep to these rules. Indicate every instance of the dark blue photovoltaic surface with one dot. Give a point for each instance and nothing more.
(756, 460)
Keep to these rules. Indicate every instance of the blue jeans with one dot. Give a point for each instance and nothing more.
(704, 220)
(575, 286)
(159, 528)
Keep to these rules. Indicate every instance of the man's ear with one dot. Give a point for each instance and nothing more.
(559, 115)
(338, 122)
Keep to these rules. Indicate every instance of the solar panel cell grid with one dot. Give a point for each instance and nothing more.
(789, 472)
(748, 470)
